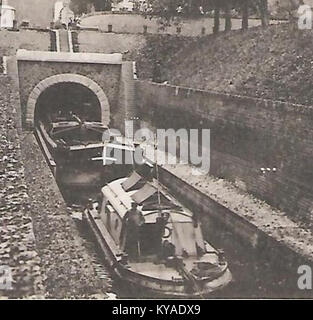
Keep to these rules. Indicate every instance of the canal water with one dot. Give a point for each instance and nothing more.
(254, 276)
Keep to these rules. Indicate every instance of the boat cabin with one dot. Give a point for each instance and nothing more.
(146, 221)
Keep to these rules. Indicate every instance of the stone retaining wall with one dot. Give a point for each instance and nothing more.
(288, 248)
(247, 134)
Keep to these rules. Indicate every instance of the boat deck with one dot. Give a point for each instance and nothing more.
(160, 271)
(150, 269)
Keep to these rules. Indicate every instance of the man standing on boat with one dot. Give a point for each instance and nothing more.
(130, 233)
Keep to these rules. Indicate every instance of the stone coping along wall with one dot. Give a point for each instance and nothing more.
(247, 134)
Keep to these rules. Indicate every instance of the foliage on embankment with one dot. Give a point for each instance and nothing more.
(274, 63)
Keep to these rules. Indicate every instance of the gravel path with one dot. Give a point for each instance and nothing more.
(17, 242)
(68, 269)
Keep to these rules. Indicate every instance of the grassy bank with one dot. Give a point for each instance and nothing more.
(274, 63)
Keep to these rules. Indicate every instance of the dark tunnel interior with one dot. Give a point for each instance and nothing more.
(59, 100)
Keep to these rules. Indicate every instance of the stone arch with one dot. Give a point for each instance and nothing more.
(69, 78)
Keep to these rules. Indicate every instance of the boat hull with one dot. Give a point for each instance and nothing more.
(149, 285)
(82, 175)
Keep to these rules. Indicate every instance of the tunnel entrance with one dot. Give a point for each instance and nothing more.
(61, 99)
(62, 92)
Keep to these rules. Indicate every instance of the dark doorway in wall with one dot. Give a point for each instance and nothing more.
(63, 98)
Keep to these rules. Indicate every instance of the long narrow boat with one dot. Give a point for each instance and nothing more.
(73, 141)
(153, 242)
(84, 155)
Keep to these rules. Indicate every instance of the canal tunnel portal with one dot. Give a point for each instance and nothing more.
(96, 86)
(69, 93)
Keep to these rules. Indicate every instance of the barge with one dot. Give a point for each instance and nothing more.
(154, 243)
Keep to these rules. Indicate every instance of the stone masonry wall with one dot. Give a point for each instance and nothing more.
(127, 98)
(247, 134)
(107, 77)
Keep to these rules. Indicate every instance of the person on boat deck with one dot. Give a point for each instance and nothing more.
(168, 249)
(130, 233)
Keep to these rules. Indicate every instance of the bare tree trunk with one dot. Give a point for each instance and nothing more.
(245, 15)
(216, 27)
(263, 8)
(228, 24)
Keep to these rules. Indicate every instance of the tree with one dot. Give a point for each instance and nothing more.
(289, 7)
(167, 10)
(81, 6)
(245, 14)
(264, 14)
(228, 24)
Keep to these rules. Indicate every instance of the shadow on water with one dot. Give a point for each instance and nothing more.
(254, 275)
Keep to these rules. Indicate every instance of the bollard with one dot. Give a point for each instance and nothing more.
(110, 28)
(203, 31)
(145, 29)
(15, 26)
